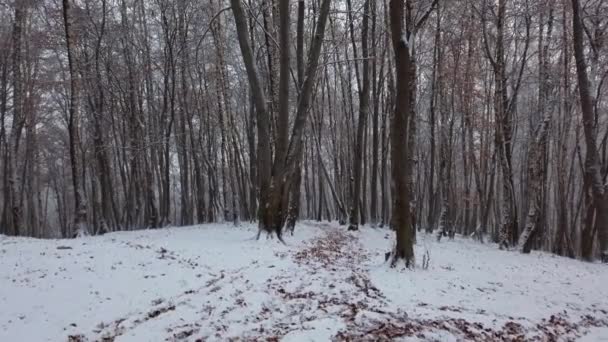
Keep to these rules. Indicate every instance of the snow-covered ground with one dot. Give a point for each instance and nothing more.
(216, 283)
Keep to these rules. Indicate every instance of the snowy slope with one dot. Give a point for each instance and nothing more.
(215, 282)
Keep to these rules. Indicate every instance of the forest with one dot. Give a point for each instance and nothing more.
(303, 170)
(482, 118)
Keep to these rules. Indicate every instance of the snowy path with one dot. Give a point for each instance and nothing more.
(215, 283)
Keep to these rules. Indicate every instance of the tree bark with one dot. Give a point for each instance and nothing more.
(592, 171)
(263, 118)
(13, 210)
(401, 220)
(363, 113)
(536, 157)
(80, 208)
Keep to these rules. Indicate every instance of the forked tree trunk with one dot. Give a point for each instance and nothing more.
(536, 158)
(504, 107)
(263, 119)
(273, 185)
(284, 177)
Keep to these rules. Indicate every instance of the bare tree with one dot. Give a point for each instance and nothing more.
(364, 93)
(593, 182)
(142, 115)
(80, 208)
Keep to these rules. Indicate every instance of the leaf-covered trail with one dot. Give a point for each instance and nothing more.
(321, 292)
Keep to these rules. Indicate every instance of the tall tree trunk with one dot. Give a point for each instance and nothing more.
(13, 210)
(284, 178)
(432, 111)
(377, 89)
(263, 118)
(536, 157)
(363, 113)
(592, 172)
(6, 207)
(294, 196)
(504, 107)
(401, 220)
(80, 208)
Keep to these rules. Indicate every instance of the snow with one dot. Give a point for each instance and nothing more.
(503, 283)
(596, 335)
(216, 282)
